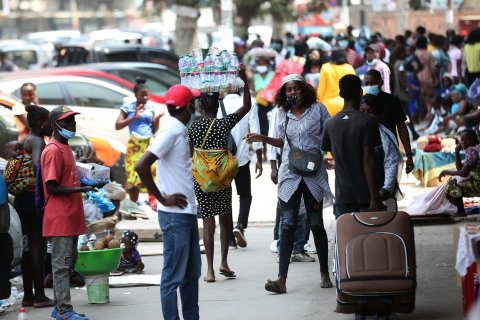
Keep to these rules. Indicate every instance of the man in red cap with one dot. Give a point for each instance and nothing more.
(372, 53)
(64, 218)
(177, 212)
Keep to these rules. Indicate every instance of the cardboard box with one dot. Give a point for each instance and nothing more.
(93, 171)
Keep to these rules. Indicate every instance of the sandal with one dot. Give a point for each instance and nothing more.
(273, 286)
(325, 282)
(228, 274)
(207, 279)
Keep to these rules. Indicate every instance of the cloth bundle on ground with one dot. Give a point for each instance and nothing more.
(19, 174)
(434, 144)
(434, 201)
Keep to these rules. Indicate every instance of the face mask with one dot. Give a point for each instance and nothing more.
(292, 100)
(67, 134)
(372, 63)
(343, 44)
(262, 69)
(373, 90)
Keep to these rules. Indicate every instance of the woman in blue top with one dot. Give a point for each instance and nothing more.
(142, 123)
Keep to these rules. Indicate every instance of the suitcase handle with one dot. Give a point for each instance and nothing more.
(374, 219)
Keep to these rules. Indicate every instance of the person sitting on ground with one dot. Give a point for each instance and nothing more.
(131, 260)
(460, 108)
(465, 181)
(390, 155)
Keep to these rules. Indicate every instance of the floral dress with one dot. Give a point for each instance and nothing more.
(470, 186)
(213, 203)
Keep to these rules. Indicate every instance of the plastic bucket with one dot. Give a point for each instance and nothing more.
(97, 288)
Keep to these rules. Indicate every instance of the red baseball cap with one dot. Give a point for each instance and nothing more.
(180, 96)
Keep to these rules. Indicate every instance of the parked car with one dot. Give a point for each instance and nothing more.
(8, 130)
(27, 56)
(95, 74)
(159, 77)
(116, 53)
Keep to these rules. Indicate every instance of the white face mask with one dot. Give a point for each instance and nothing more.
(262, 69)
(372, 63)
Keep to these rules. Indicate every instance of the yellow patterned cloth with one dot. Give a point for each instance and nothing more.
(214, 170)
(136, 146)
(19, 174)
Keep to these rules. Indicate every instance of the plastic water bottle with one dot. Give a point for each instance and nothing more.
(182, 67)
(22, 314)
(208, 66)
(232, 68)
(218, 68)
(225, 59)
(194, 74)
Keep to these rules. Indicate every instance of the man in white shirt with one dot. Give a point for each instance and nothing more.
(176, 207)
(243, 182)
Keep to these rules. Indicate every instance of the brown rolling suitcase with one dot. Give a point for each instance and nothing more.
(375, 267)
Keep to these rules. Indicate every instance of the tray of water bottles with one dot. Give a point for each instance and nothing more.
(216, 72)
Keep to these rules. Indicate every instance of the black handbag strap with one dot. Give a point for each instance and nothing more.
(286, 123)
(222, 107)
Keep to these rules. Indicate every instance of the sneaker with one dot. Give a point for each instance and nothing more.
(240, 236)
(301, 257)
(309, 249)
(232, 244)
(71, 315)
(273, 246)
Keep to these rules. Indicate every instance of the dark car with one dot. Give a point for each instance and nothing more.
(116, 53)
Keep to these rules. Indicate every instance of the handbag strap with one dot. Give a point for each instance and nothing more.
(222, 107)
(286, 123)
(208, 131)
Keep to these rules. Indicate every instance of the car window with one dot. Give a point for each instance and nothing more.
(22, 58)
(155, 86)
(118, 56)
(169, 77)
(92, 95)
(50, 94)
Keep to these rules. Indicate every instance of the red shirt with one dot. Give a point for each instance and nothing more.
(64, 215)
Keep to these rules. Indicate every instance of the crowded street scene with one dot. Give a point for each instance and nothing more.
(234, 159)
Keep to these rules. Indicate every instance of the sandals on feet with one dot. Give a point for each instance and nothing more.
(228, 274)
(273, 286)
(211, 279)
(325, 282)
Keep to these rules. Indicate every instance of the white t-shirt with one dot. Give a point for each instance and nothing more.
(249, 123)
(455, 55)
(174, 164)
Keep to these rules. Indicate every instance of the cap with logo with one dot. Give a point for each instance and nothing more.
(60, 113)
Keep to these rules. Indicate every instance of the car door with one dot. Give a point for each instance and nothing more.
(99, 107)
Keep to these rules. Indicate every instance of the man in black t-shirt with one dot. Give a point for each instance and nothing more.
(393, 117)
(351, 137)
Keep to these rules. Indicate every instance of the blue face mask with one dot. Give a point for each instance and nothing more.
(292, 100)
(67, 134)
(373, 90)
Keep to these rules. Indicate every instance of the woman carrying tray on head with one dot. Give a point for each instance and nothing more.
(300, 124)
(211, 133)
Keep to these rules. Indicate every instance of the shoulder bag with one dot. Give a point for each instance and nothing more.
(214, 170)
(302, 162)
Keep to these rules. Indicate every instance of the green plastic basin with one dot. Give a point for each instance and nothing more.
(98, 261)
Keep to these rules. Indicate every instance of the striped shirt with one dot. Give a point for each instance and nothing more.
(306, 133)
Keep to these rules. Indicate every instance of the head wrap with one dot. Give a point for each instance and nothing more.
(460, 89)
(292, 77)
(130, 235)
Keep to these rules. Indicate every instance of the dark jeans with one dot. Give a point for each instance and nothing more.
(6, 247)
(406, 110)
(289, 223)
(342, 208)
(243, 183)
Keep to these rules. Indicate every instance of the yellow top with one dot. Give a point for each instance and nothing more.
(472, 57)
(328, 91)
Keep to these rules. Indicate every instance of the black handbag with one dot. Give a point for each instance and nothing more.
(231, 145)
(302, 162)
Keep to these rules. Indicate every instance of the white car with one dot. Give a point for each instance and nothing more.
(97, 101)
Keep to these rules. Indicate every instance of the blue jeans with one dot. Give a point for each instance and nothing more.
(299, 236)
(181, 264)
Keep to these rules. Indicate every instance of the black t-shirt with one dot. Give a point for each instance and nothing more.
(392, 112)
(345, 136)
